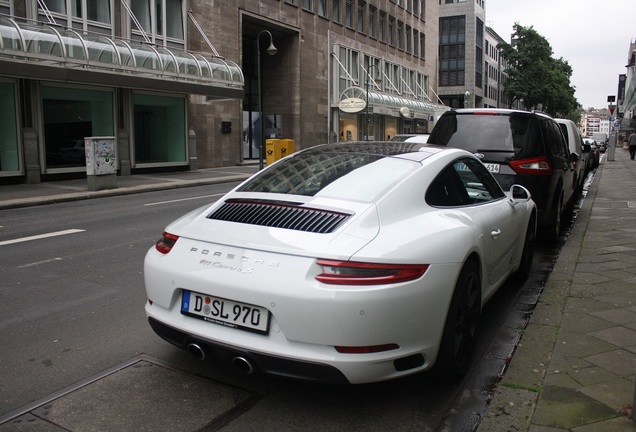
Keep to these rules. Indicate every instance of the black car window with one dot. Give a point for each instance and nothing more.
(554, 139)
(480, 184)
(512, 136)
(466, 182)
(447, 190)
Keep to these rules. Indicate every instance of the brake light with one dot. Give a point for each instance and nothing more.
(366, 349)
(489, 113)
(166, 242)
(357, 273)
(539, 165)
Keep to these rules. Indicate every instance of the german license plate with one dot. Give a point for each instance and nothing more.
(225, 312)
(493, 168)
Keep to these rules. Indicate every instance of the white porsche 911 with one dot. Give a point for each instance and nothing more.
(354, 262)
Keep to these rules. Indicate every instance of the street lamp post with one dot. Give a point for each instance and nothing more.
(271, 50)
(366, 83)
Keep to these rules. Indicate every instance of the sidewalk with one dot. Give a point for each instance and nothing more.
(24, 195)
(575, 366)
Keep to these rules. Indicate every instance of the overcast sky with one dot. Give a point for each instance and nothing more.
(592, 35)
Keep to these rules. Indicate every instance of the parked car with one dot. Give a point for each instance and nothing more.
(602, 145)
(579, 154)
(354, 263)
(417, 138)
(595, 153)
(518, 147)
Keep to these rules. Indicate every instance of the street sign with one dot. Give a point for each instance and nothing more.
(611, 109)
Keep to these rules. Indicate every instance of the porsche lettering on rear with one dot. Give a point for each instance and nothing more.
(231, 257)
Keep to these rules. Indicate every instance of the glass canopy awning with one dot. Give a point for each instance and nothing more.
(54, 53)
(397, 106)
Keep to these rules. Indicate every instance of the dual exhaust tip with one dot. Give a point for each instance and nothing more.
(240, 363)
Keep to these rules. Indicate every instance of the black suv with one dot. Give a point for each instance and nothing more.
(526, 148)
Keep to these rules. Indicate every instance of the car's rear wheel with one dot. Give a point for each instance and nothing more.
(553, 229)
(527, 254)
(458, 338)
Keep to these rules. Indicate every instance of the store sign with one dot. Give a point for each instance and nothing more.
(352, 105)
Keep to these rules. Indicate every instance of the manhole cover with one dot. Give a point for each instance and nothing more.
(140, 395)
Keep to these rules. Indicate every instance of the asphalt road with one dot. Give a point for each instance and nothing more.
(71, 306)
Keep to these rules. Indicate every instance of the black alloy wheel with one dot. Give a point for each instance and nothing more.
(458, 338)
(553, 230)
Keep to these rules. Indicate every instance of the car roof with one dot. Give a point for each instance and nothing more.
(415, 151)
(503, 111)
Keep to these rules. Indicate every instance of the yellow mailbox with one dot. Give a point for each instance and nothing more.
(272, 150)
(286, 147)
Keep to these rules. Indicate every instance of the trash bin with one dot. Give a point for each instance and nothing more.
(286, 147)
(272, 150)
(101, 162)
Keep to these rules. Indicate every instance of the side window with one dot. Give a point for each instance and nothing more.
(480, 184)
(554, 139)
(466, 182)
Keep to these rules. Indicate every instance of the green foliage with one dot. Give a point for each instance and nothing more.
(535, 78)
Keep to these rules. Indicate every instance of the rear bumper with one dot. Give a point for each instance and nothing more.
(262, 362)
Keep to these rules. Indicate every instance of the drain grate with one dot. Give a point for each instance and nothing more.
(143, 394)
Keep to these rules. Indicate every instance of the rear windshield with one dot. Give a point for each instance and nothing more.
(356, 177)
(516, 134)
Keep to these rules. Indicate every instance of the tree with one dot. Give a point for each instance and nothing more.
(535, 78)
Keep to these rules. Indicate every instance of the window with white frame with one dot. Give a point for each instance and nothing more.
(421, 89)
(372, 66)
(85, 15)
(408, 82)
(162, 20)
(349, 69)
(392, 75)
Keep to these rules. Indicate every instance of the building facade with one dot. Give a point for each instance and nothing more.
(471, 68)
(182, 84)
(72, 69)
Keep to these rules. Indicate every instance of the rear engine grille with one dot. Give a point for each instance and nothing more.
(279, 215)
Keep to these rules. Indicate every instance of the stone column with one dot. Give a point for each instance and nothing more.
(192, 150)
(31, 156)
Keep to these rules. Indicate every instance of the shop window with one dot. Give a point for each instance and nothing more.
(159, 130)
(9, 155)
(70, 115)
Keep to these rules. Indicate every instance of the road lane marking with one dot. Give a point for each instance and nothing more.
(183, 199)
(40, 262)
(41, 236)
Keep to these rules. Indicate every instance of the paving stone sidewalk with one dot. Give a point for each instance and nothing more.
(575, 366)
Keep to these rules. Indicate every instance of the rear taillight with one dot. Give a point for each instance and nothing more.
(166, 242)
(539, 165)
(357, 273)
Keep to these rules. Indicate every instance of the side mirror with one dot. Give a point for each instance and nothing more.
(519, 194)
